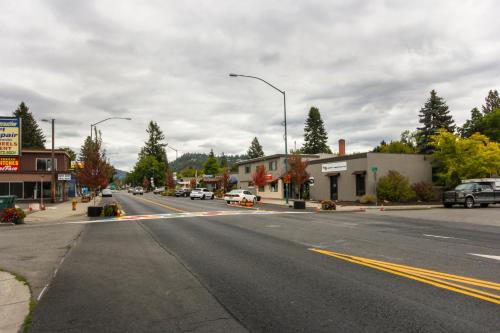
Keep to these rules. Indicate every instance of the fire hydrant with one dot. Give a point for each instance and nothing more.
(73, 204)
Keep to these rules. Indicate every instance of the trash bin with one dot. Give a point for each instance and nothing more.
(7, 201)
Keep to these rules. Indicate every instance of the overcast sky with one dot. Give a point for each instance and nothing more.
(367, 65)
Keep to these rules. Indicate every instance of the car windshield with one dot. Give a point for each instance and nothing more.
(462, 187)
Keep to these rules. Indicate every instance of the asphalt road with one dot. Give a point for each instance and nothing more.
(220, 272)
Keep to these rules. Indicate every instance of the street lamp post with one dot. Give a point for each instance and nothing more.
(52, 166)
(176, 151)
(284, 121)
(93, 125)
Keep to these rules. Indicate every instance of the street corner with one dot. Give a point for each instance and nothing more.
(15, 297)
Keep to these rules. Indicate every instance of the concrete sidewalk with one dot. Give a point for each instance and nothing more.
(14, 303)
(61, 211)
(351, 208)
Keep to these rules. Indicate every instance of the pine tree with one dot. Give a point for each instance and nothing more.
(223, 161)
(211, 166)
(472, 125)
(315, 135)
(492, 102)
(154, 145)
(433, 116)
(32, 135)
(255, 149)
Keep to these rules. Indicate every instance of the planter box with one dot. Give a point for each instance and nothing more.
(299, 204)
(94, 211)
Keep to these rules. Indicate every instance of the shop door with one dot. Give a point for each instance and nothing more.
(334, 189)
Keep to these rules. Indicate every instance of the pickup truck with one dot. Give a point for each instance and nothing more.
(471, 192)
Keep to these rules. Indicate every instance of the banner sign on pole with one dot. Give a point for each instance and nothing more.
(64, 176)
(9, 163)
(10, 136)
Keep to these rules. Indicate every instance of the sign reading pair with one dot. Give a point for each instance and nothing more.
(10, 136)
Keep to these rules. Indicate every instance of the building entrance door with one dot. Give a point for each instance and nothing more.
(334, 189)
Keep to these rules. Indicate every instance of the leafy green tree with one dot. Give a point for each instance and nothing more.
(434, 116)
(394, 187)
(154, 146)
(394, 147)
(255, 149)
(147, 167)
(472, 125)
(211, 166)
(32, 135)
(462, 158)
(492, 102)
(409, 138)
(315, 135)
(491, 125)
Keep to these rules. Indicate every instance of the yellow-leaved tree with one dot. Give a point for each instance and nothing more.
(458, 158)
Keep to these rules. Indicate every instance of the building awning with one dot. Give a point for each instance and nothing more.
(361, 172)
(332, 174)
(273, 180)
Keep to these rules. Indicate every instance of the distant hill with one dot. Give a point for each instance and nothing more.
(120, 174)
(196, 161)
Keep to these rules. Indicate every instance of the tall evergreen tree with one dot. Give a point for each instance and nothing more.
(32, 135)
(472, 125)
(492, 102)
(223, 161)
(433, 116)
(255, 149)
(211, 167)
(315, 135)
(154, 146)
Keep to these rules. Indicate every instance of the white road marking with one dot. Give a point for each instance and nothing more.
(437, 236)
(41, 293)
(485, 256)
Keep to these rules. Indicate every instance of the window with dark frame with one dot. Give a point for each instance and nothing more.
(273, 165)
(247, 169)
(44, 164)
(360, 185)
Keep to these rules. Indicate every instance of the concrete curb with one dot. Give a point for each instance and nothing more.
(15, 299)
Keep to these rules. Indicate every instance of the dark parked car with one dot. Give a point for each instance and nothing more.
(471, 192)
(182, 192)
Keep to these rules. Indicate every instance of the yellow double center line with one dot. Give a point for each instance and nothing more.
(163, 205)
(456, 283)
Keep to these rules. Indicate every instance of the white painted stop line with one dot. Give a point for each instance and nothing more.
(485, 256)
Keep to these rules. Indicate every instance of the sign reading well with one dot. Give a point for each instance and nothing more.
(334, 167)
(10, 136)
(9, 163)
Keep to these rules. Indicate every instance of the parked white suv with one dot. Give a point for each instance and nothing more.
(201, 193)
(239, 196)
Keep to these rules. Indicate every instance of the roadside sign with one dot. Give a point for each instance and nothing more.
(64, 176)
(9, 163)
(374, 169)
(269, 176)
(311, 181)
(10, 136)
(287, 179)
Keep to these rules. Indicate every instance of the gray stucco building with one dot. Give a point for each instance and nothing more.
(349, 177)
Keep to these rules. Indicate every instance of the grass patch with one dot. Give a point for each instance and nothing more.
(28, 320)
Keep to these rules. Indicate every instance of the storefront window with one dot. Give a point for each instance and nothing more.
(360, 185)
(273, 187)
(16, 189)
(4, 188)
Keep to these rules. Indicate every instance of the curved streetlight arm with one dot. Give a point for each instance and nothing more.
(92, 125)
(258, 78)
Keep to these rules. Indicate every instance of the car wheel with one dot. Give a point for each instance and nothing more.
(192, 198)
(212, 198)
(484, 205)
(469, 202)
(447, 205)
(228, 202)
(203, 197)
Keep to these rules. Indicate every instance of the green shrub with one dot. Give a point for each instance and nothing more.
(111, 209)
(219, 193)
(424, 191)
(394, 187)
(168, 192)
(367, 199)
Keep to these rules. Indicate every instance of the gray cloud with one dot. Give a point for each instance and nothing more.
(368, 67)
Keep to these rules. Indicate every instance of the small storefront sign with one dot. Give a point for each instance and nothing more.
(64, 176)
(269, 176)
(334, 167)
(9, 164)
(10, 136)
